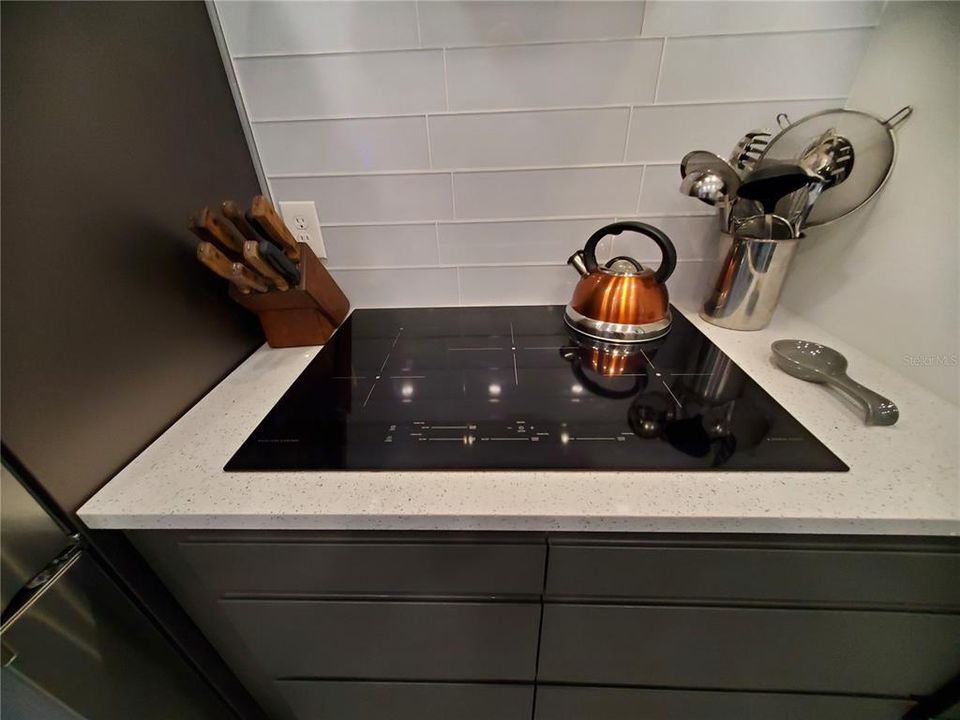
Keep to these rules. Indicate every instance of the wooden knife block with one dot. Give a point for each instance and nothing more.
(303, 315)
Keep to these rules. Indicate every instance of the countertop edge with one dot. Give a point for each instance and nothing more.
(177, 483)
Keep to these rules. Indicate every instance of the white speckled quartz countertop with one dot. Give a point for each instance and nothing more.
(902, 479)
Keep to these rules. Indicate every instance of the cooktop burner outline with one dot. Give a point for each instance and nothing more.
(443, 384)
(382, 366)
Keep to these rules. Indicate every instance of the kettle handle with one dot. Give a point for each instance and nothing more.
(667, 264)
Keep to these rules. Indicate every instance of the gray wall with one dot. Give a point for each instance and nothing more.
(117, 123)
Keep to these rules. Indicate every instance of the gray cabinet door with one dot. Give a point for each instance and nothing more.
(389, 640)
(340, 700)
(310, 568)
(871, 652)
(862, 578)
(592, 703)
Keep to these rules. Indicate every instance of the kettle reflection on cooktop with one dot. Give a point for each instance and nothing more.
(513, 388)
(704, 415)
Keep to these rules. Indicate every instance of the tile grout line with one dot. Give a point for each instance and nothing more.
(416, 7)
(643, 177)
(626, 140)
(544, 109)
(436, 233)
(446, 84)
(468, 170)
(460, 266)
(526, 219)
(656, 88)
(540, 43)
(426, 122)
(453, 197)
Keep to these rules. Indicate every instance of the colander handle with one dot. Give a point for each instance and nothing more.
(898, 117)
(667, 264)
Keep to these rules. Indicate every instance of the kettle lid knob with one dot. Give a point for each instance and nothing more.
(624, 265)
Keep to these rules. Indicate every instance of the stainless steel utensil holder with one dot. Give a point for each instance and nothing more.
(749, 284)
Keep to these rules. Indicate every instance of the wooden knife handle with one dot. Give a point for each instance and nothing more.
(205, 235)
(252, 256)
(208, 254)
(235, 272)
(224, 232)
(234, 214)
(211, 228)
(266, 219)
(245, 279)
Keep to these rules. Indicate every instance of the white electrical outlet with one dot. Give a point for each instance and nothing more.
(301, 218)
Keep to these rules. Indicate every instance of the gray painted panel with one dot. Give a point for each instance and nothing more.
(389, 640)
(338, 700)
(590, 703)
(879, 653)
(161, 551)
(118, 123)
(368, 568)
(914, 579)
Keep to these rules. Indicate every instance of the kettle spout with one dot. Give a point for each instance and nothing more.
(576, 260)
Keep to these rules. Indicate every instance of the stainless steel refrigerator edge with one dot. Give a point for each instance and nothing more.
(72, 642)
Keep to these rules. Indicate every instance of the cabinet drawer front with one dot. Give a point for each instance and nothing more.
(368, 568)
(311, 700)
(871, 653)
(389, 640)
(591, 703)
(864, 578)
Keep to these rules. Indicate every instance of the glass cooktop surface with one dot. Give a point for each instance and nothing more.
(507, 388)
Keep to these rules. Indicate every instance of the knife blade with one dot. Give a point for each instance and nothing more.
(281, 263)
(233, 213)
(263, 217)
(235, 272)
(210, 228)
(251, 254)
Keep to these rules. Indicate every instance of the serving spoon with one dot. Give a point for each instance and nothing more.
(813, 362)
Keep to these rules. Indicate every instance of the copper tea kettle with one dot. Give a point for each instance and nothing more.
(621, 301)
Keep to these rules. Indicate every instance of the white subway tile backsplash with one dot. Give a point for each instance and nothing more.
(695, 238)
(399, 287)
(734, 16)
(563, 75)
(757, 67)
(461, 151)
(380, 246)
(357, 199)
(380, 83)
(507, 243)
(553, 285)
(448, 24)
(517, 139)
(255, 28)
(553, 241)
(367, 144)
(661, 193)
(691, 281)
(547, 193)
(529, 285)
(666, 133)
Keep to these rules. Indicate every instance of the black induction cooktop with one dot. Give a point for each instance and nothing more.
(507, 388)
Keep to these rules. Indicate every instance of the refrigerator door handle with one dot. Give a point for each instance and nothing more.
(36, 587)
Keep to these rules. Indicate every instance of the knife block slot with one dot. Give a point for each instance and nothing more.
(303, 315)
